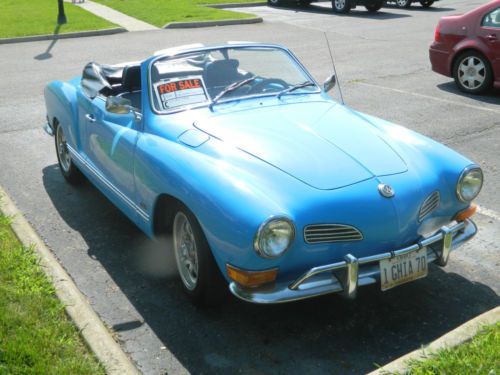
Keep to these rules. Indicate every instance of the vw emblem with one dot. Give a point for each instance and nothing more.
(386, 190)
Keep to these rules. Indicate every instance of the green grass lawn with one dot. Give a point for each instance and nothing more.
(36, 337)
(479, 356)
(39, 17)
(161, 12)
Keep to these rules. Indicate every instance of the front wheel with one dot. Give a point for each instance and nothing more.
(200, 276)
(374, 7)
(472, 73)
(403, 3)
(68, 169)
(275, 3)
(341, 6)
(426, 3)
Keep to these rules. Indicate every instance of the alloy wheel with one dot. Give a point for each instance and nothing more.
(471, 72)
(62, 150)
(340, 4)
(186, 252)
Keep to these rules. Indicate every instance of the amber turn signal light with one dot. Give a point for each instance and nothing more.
(251, 279)
(465, 214)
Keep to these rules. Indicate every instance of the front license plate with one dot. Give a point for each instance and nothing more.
(403, 268)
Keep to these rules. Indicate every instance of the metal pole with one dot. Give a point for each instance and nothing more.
(61, 17)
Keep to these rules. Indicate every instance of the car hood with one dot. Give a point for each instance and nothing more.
(324, 145)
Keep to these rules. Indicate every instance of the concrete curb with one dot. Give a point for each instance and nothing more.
(79, 34)
(458, 336)
(97, 336)
(236, 5)
(186, 25)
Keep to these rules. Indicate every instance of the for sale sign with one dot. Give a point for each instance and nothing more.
(178, 92)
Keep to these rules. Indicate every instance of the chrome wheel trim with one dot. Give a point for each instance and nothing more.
(62, 150)
(471, 72)
(186, 253)
(340, 4)
(401, 3)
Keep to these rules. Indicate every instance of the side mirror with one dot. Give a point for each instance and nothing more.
(118, 105)
(330, 83)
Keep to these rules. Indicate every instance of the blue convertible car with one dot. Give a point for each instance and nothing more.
(262, 180)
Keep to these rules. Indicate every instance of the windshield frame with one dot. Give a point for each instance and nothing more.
(208, 103)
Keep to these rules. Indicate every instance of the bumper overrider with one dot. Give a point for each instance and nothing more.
(346, 276)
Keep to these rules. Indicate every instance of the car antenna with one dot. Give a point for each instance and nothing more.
(334, 70)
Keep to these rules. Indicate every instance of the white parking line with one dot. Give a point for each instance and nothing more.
(490, 213)
(480, 108)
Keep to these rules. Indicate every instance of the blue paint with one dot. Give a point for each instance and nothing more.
(303, 156)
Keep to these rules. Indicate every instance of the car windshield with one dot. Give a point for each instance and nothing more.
(215, 75)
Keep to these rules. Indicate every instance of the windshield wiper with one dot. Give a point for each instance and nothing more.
(295, 87)
(233, 86)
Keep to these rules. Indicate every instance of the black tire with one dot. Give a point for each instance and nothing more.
(66, 165)
(374, 7)
(206, 286)
(472, 73)
(341, 6)
(275, 3)
(426, 3)
(403, 3)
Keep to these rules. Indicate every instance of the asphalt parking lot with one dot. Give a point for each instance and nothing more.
(384, 71)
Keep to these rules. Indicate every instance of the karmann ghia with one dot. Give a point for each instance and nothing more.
(261, 180)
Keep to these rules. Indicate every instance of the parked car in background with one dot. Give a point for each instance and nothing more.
(339, 6)
(265, 184)
(467, 48)
(407, 3)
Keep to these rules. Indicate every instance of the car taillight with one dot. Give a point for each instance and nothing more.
(437, 34)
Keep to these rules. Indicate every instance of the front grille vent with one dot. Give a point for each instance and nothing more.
(429, 205)
(325, 233)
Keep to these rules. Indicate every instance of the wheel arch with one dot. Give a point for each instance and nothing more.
(164, 212)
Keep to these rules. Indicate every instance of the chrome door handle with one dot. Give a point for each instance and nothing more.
(491, 37)
(90, 117)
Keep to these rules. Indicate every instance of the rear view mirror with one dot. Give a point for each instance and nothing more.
(330, 83)
(118, 105)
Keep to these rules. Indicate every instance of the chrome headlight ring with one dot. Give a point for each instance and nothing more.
(274, 237)
(470, 183)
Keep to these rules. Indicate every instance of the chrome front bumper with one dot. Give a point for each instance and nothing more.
(346, 276)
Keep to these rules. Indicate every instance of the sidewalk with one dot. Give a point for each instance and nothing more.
(127, 22)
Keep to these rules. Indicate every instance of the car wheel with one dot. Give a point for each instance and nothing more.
(374, 6)
(201, 278)
(341, 6)
(274, 3)
(403, 3)
(472, 73)
(68, 169)
(426, 3)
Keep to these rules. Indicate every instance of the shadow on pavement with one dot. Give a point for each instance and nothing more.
(322, 336)
(358, 12)
(491, 97)
(47, 55)
(417, 7)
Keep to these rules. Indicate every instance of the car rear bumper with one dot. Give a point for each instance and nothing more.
(440, 60)
(346, 276)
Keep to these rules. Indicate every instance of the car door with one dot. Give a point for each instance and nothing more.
(489, 34)
(110, 146)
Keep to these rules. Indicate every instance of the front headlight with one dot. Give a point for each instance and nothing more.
(274, 237)
(469, 184)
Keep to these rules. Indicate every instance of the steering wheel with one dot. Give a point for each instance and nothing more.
(262, 85)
